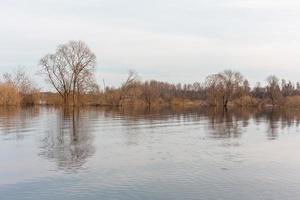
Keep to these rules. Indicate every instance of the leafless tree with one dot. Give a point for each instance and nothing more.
(132, 77)
(273, 89)
(214, 89)
(23, 84)
(223, 87)
(69, 69)
(231, 82)
(128, 90)
(150, 92)
(287, 88)
(20, 80)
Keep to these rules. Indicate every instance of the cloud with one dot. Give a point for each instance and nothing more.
(265, 4)
(169, 40)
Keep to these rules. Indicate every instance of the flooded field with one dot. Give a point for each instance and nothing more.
(93, 153)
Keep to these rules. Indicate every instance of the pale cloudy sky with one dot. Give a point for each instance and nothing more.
(170, 40)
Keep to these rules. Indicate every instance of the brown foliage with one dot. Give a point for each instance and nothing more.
(9, 95)
(247, 101)
(292, 101)
(19, 89)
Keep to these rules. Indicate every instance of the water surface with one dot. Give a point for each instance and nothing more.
(50, 153)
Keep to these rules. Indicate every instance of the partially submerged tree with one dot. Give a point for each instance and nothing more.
(232, 82)
(224, 86)
(214, 89)
(70, 69)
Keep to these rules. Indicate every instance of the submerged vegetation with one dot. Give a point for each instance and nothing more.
(18, 88)
(70, 70)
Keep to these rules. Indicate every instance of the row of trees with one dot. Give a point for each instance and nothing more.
(70, 70)
(222, 89)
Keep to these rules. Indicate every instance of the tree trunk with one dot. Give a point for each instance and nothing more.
(74, 93)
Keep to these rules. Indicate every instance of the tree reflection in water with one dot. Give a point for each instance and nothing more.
(68, 137)
(221, 123)
(230, 123)
(15, 121)
(68, 141)
(279, 119)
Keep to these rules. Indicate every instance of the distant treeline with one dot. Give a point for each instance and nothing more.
(70, 70)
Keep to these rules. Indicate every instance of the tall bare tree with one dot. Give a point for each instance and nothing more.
(69, 69)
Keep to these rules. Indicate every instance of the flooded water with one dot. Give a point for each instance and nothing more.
(48, 153)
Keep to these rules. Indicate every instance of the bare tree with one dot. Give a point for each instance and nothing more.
(273, 89)
(20, 80)
(69, 69)
(223, 87)
(287, 88)
(231, 82)
(132, 77)
(150, 92)
(214, 89)
(28, 93)
(128, 85)
(245, 88)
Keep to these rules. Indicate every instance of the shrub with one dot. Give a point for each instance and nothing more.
(246, 101)
(9, 95)
(292, 101)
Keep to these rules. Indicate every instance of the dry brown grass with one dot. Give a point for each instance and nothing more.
(52, 99)
(247, 101)
(292, 101)
(180, 102)
(31, 99)
(9, 95)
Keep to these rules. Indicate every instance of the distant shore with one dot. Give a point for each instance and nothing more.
(70, 71)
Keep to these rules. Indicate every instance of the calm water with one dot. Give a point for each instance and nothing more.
(48, 153)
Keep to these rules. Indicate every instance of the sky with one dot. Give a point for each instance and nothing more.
(167, 40)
